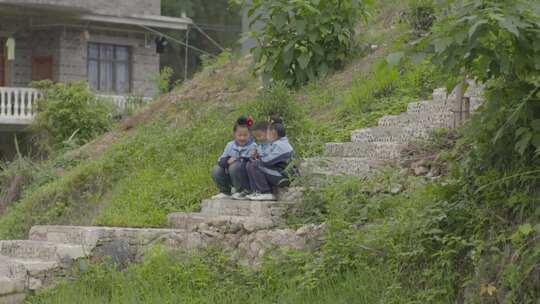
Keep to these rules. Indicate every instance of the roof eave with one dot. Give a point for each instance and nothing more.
(145, 20)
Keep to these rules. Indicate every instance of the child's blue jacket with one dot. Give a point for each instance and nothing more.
(277, 157)
(239, 152)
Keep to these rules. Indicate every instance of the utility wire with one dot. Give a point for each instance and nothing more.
(177, 41)
(209, 38)
(216, 29)
(220, 27)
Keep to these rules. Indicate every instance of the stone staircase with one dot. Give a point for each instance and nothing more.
(246, 229)
(374, 148)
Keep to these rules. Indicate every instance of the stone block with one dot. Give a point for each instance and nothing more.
(370, 150)
(388, 134)
(17, 298)
(223, 224)
(10, 286)
(336, 166)
(243, 208)
(416, 122)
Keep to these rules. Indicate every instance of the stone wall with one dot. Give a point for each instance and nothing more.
(73, 57)
(106, 7)
(69, 50)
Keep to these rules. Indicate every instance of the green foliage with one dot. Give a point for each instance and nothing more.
(277, 100)
(374, 242)
(387, 91)
(301, 41)
(465, 40)
(217, 62)
(210, 277)
(70, 113)
(163, 80)
(496, 42)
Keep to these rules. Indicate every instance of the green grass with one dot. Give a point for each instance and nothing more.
(441, 241)
(289, 277)
(164, 166)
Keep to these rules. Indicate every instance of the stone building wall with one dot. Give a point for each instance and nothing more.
(106, 7)
(68, 46)
(145, 60)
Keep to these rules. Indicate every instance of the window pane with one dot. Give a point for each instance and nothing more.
(107, 52)
(122, 53)
(93, 74)
(106, 79)
(93, 51)
(122, 78)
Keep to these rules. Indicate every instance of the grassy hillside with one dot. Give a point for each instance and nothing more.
(470, 236)
(159, 161)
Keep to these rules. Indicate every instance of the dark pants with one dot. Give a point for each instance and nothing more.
(260, 181)
(236, 176)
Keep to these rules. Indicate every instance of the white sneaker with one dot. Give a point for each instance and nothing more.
(239, 196)
(221, 196)
(262, 197)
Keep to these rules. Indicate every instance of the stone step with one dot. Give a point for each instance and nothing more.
(474, 91)
(37, 273)
(32, 273)
(12, 290)
(339, 166)
(16, 298)
(371, 150)
(429, 107)
(11, 268)
(47, 251)
(229, 207)
(389, 134)
(95, 238)
(418, 121)
(227, 224)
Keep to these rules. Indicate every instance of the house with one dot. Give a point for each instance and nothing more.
(108, 43)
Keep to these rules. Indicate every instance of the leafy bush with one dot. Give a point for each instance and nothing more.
(69, 114)
(277, 100)
(163, 80)
(303, 40)
(462, 45)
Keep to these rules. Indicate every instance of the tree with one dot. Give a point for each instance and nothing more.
(301, 41)
(496, 42)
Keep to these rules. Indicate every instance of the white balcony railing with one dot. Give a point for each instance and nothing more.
(18, 105)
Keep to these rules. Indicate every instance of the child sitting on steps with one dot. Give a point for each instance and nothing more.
(267, 170)
(230, 175)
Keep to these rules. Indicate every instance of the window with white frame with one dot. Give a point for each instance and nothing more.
(109, 68)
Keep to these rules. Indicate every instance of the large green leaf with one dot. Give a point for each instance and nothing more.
(304, 59)
(524, 142)
(279, 20)
(475, 27)
(442, 44)
(508, 24)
